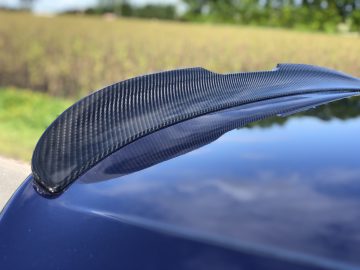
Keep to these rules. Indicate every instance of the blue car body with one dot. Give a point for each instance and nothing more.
(282, 193)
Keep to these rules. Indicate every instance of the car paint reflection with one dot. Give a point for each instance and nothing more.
(295, 186)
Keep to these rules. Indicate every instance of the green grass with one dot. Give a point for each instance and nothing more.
(24, 115)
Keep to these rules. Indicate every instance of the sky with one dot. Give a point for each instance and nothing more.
(50, 6)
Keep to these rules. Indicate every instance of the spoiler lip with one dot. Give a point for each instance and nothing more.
(184, 137)
(111, 118)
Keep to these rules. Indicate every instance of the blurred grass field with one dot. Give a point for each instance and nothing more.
(69, 56)
(24, 115)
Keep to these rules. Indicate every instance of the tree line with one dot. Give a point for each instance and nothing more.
(322, 15)
(316, 15)
(126, 9)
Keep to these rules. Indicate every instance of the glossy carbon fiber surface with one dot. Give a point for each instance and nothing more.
(189, 135)
(113, 117)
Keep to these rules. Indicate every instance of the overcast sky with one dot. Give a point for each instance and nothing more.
(60, 5)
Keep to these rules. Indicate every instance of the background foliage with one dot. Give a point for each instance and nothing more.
(321, 15)
(318, 15)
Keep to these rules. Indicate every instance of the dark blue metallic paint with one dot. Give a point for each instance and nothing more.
(284, 197)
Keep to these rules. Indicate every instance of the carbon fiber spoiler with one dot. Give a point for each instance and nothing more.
(117, 115)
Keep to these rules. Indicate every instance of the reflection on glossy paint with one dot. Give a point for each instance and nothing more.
(281, 197)
(295, 186)
(189, 135)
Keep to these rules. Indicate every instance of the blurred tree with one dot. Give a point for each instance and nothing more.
(317, 15)
(124, 8)
(167, 12)
(127, 9)
(323, 15)
(113, 6)
(195, 9)
(356, 20)
(26, 4)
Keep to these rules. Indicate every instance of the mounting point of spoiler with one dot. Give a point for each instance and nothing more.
(107, 120)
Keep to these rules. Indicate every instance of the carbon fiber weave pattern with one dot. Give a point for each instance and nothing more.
(192, 134)
(115, 116)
